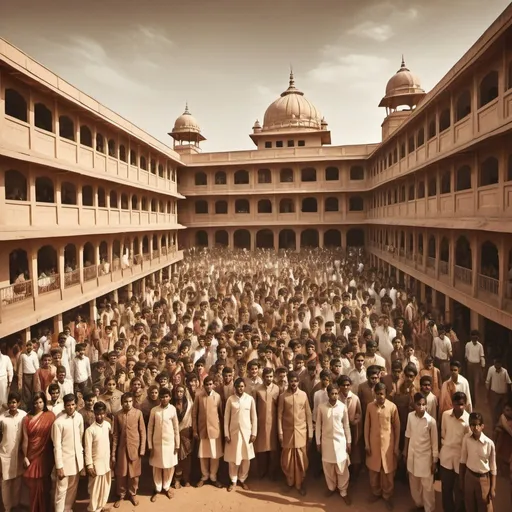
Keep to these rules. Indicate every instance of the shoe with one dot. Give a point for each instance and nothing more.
(231, 487)
(200, 483)
(373, 498)
(133, 499)
(302, 491)
(187, 484)
(177, 484)
(117, 503)
(169, 494)
(329, 493)
(244, 486)
(347, 500)
(389, 504)
(153, 497)
(217, 484)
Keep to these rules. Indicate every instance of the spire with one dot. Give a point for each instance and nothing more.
(292, 79)
(291, 85)
(403, 61)
(402, 65)
(186, 109)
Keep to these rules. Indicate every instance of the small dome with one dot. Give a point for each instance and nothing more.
(257, 126)
(292, 111)
(403, 82)
(186, 123)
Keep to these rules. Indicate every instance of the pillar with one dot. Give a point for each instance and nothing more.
(129, 287)
(143, 287)
(476, 321)
(115, 296)
(58, 325)
(27, 334)
(422, 290)
(449, 308)
(93, 311)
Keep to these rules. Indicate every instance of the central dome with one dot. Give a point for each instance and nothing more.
(291, 111)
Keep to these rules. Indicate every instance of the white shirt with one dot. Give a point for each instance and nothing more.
(320, 397)
(423, 447)
(479, 455)
(81, 369)
(29, 363)
(97, 447)
(11, 457)
(475, 353)
(385, 337)
(499, 382)
(67, 434)
(6, 369)
(442, 348)
(453, 431)
(332, 430)
(357, 378)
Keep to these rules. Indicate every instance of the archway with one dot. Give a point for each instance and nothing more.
(287, 239)
(18, 265)
(332, 238)
(201, 239)
(46, 260)
(221, 238)
(70, 258)
(242, 239)
(489, 260)
(265, 239)
(463, 257)
(15, 186)
(355, 237)
(309, 238)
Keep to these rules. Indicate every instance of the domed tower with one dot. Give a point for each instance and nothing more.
(186, 133)
(290, 121)
(402, 90)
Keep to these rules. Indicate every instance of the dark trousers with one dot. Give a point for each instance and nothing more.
(453, 500)
(476, 490)
(268, 463)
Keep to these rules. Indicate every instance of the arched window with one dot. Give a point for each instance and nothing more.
(309, 205)
(113, 199)
(432, 186)
(421, 137)
(201, 179)
(412, 190)
(160, 171)
(463, 178)
(143, 163)
(221, 207)
(15, 186)
(432, 132)
(152, 166)
(43, 117)
(357, 172)
(241, 177)
(102, 201)
(264, 206)
(154, 205)
(331, 204)
(85, 136)
(489, 172)
(15, 105)
(87, 196)
(286, 176)
(421, 189)
(356, 204)
(124, 202)
(100, 143)
(286, 205)
(308, 174)
(135, 202)
(122, 153)
(332, 174)
(144, 204)
(44, 190)
(463, 107)
(66, 128)
(446, 185)
(444, 120)
(133, 157)
(112, 148)
(489, 88)
(220, 178)
(242, 206)
(264, 176)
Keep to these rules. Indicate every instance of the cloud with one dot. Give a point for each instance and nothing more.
(263, 90)
(155, 35)
(352, 69)
(371, 30)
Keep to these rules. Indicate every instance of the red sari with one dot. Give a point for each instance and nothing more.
(40, 455)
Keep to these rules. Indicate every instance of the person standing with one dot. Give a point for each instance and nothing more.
(128, 447)
(295, 431)
(382, 437)
(28, 364)
(333, 442)
(207, 428)
(6, 376)
(183, 406)
(97, 459)
(454, 426)
(478, 467)
(266, 444)
(475, 363)
(11, 456)
(442, 352)
(164, 443)
(455, 383)
(67, 434)
(240, 429)
(498, 388)
(421, 454)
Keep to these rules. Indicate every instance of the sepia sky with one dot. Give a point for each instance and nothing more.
(230, 58)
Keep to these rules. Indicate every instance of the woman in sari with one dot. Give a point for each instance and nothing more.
(184, 410)
(38, 453)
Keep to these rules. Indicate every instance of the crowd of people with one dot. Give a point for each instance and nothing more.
(295, 361)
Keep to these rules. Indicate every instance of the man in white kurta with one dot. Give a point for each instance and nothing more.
(333, 441)
(6, 374)
(97, 459)
(67, 435)
(240, 429)
(11, 458)
(421, 453)
(164, 443)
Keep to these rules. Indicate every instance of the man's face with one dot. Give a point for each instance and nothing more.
(208, 386)
(294, 384)
(165, 400)
(454, 370)
(426, 388)
(373, 379)
(268, 378)
(128, 403)
(13, 405)
(359, 362)
(253, 371)
(54, 394)
(70, 407)
(61, 376)
(380, 397)
(89, 404)
(227, 378)
(333, 395)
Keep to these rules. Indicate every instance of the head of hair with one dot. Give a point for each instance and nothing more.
(342, 379)
(380, 386)
(476, 416)
(453, 362)
(425, 379)
(418, 397)
(238, 381)
(37, 396)
(459, 396)
(267, 371)
(14, 395)
(163, 392)
(330, 387)
(207, 380)
(126, 396)
(99, 407)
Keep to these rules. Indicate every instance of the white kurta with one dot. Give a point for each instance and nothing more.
(6, 375)
(423, 446)
(67, 435)
(163, 437)
(332, 430)
(97, 447)
(11, 456)
(240, 422)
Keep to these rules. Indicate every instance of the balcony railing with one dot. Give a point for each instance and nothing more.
(16, 292)
(431, 262)
(463, 274)
(72, 278)
(443, 267)
(154, 255)
(48, 284)
(137, 259)
(419, 258)
(90, 273)
(488, 284)
(164, 250)
(116, 264)
(146, 256)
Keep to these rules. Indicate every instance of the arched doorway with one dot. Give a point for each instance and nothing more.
(18, 265)
(201, 239)
(309, 238)
(221, 238)
(355, 237)
(287, 239)
(264, 239)
(242, 239)
(332, 238)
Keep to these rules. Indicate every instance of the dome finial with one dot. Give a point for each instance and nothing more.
(292, 79)
(403, 61)
(186, 108)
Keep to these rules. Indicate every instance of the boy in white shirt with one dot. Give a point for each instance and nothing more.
(28, 365)
(81, 369)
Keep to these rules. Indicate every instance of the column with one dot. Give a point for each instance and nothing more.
(60, 264)
(343, 238)
(33, 271)
(449, 307)
(58, 325)
(143, 288)
(297, 241)
(93, 311)
(475, 260)
(115, 296)
(129, 286)
(276, 239)
(27, 334)
(321, 234)
(253, 239)
(422, 290)
(476, 321)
